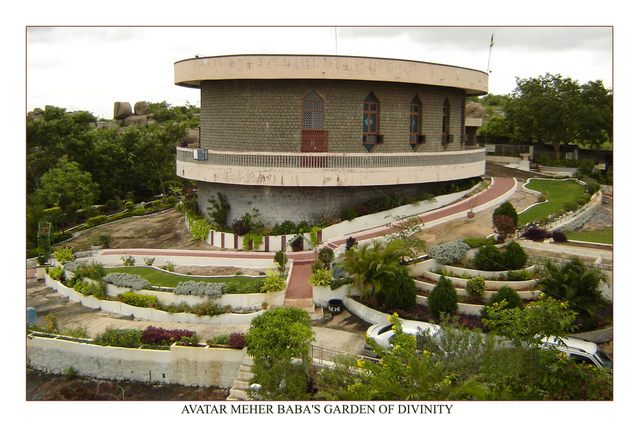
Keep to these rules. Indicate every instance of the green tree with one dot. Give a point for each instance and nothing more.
(69, 188)
(273, 340)
(559, 111)
(541, 319)
(443, 300)
(578, 285)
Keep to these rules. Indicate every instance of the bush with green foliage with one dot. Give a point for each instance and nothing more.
(514, 256)
(274, 282)
(507, 294)
(400, 293)
(326, 256)
(449, 252)
(443, 300)
(320, 277)
(507, 209)
(475, 286)
(97, 220)
(489, 258)
(348, 214)
(56, 273)
(138, 300)
(64, 254)
(128, 338)
(86, 288)
(128, 260)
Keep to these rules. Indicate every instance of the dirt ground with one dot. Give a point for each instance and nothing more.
(167, 230)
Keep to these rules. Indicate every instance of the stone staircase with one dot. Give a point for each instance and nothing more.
(239, 391)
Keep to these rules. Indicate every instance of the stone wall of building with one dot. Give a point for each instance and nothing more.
(266, 115)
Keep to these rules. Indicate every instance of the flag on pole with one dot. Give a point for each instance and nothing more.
(491, 40)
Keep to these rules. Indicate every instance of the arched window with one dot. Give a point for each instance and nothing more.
(314, 137)
(446, 117)
(370, 120)
(415, 123)
(313, 111)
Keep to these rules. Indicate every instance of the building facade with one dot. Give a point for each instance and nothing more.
(303, 137)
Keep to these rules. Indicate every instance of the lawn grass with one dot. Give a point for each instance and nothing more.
(604, 236)
(559, 192)
(167, 279)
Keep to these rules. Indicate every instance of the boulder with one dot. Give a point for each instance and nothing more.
(121, 110)
(141, 108)
(135, 120)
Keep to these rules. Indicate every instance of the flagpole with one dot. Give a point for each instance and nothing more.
(489, 62)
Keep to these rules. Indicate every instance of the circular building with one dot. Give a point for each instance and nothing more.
(302, 137)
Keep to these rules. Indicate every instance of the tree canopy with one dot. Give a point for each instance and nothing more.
(559, 111)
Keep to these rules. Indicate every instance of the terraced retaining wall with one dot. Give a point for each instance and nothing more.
(189, 366)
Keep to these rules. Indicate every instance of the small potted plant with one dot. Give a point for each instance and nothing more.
(265, 305)
(227, 308)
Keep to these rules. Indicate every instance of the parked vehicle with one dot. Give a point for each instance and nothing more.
(580, 350)
(382, 333)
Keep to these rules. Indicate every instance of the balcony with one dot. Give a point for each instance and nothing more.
(328, 169)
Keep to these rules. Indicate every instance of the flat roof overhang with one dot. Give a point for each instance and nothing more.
(191, 72)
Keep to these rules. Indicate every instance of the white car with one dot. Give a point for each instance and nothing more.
(580, 350)
(382, 333)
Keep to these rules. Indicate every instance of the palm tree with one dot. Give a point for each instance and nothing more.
(577, 285)
(374, 266)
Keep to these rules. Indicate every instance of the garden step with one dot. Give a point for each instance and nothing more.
(235, 394)
(245, 375)
(239, 384)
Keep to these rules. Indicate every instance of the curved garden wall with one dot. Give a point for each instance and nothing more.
(189, 366)
(162, 316)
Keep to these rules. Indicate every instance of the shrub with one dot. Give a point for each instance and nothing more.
(138, 300)
(56, 273)
(535, 234)
(478, 242)
(507, 209)
(129, 338)
(86, 288)
(104, 240)
(191, 287)
(64, 254)
(558, 236)
(443, 299)
(489, 258)
(160, 336)
(475, 286)
(199, 228)
(128, 260)
(280, 258)
(514, 256)
(401, 292)
(351, 242)
(239, 227)
(287, 227)
(338, 283)
(274, 282)
(149, 261)
(507, 294)
(320, 277)
(236, 340)
(97, 220)
(218, 340)
(235, 287)
(504, 225)
(124, 280)
(129, 205)
(326, 256)
(449, 252)
(168, 266)
(592, 188)
(348, 214)
(207, 308)
(171, 200)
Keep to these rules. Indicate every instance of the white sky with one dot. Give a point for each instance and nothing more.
(90, 68)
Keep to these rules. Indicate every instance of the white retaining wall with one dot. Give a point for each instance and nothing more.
(189, 366)
(158, 315)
